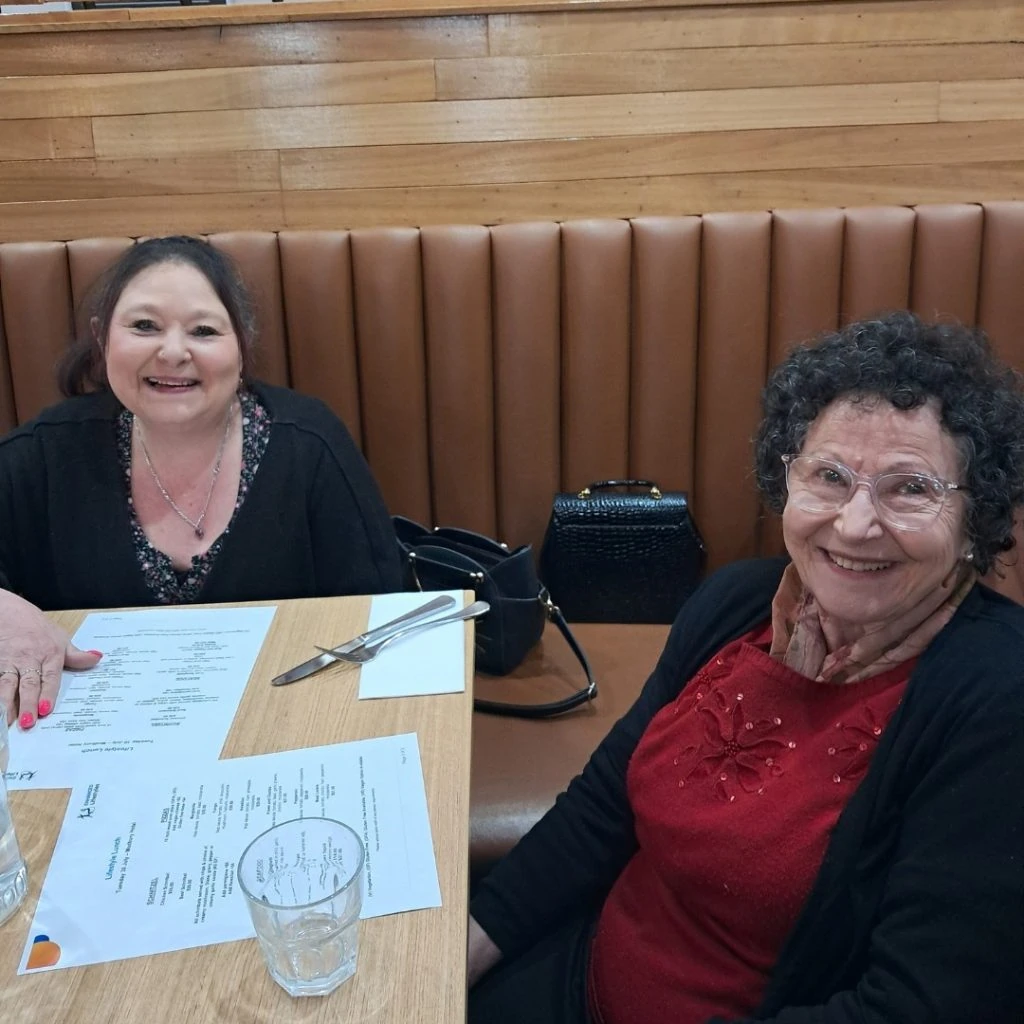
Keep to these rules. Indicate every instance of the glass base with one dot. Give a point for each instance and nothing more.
(315, 986)
(312, 956)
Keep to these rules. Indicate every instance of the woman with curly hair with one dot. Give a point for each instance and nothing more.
(812, 813)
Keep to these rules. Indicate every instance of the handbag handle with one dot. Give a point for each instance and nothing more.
(587, 491)
(555, 707)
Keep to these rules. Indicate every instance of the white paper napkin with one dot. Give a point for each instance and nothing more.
(433, 661)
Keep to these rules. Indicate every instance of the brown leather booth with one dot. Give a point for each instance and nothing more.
(484, 368)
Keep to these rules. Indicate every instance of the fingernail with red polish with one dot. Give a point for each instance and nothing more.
(99, 654)
(26, 721)
(45, 707)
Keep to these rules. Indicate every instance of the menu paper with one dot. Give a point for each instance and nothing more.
(169, 682)
(145, 862)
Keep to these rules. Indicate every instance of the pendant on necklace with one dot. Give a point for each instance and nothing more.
(200, 533)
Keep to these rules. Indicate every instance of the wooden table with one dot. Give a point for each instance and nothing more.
(411, 966)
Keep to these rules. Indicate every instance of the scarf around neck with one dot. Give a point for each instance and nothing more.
(798, 636)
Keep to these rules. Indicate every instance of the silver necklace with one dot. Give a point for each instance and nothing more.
(196, 524)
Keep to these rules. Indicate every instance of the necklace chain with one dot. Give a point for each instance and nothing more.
(196, 524)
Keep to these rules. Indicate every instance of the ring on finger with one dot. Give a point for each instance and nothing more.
(9, 672)
(29, 672)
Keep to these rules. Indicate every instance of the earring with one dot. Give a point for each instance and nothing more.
(969, 557)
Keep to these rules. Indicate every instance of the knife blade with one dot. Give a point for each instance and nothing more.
(307, 668)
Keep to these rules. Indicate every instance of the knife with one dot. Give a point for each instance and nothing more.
(368, 652)
(307, 668)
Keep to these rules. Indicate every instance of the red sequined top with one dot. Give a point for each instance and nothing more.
(735, 787)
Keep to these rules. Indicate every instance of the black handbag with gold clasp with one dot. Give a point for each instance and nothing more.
(614, 556)
(449, 558)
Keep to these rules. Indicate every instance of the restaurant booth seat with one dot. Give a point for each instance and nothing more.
(482, 369)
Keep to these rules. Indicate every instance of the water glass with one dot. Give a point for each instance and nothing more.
(13, 873)
(303, 881)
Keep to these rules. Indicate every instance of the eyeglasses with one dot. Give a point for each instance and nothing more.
(904, 501)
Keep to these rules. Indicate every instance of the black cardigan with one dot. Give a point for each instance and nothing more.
(916, 913)
(312, 525)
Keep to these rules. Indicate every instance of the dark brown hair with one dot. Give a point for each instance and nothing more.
(83, 367)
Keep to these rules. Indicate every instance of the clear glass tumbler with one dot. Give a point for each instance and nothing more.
(13, 873)
(303, 881)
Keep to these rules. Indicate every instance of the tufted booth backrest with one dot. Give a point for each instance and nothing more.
(482, 369)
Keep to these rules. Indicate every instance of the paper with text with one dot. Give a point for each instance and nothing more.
(145, 863)
(170, 680)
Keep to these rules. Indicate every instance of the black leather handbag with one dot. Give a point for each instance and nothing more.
(610, 556)
(448, 558)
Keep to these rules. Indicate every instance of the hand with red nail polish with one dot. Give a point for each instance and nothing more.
(33, 653)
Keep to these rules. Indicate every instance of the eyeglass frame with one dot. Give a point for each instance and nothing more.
(856, 479)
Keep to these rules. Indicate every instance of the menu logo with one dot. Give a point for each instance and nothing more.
(44, 953)
(88, 808)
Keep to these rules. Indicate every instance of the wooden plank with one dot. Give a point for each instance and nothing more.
(967, 101)
(54, 139)
(250, 13)
(145, 92)
(59, 21)
(494, 204)
(496, 120)
(140, 215)
(386, 7)
(852, 21)
(669, 195)
(333, 9)
(619, 157)
(365, 38)
(326, 11)
(40, 180)
(79, 53)
(733, 67)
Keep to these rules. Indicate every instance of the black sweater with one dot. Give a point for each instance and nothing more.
(915, 916)
(312, 525)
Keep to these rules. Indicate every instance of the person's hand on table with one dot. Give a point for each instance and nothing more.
(482, 954)
(33, 651)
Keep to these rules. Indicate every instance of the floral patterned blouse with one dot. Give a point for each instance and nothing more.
(167, 584)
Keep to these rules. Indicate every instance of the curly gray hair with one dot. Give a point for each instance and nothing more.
(906, 362)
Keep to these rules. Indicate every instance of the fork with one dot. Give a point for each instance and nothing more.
(361, 655)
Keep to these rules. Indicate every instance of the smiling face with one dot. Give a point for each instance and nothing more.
(172, 356)
(861, 572)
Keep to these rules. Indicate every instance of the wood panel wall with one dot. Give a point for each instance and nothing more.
(488, 118)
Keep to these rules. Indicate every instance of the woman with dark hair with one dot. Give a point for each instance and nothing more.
(812, 813)
(170, 476)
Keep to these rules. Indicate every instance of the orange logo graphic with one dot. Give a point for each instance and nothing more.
(44, 953)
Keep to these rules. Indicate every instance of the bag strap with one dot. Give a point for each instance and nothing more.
(555, 707)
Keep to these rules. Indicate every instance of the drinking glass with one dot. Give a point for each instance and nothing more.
(303, 881)
(13, 873)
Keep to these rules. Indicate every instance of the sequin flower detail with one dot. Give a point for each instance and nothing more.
(733, 750)
(854, 744)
